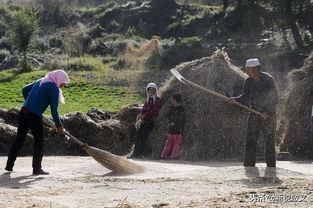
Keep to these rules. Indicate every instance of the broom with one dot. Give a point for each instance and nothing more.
(192, 84)
(113, 162)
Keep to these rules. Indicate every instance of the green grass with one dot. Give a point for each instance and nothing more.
(90, 63)
(81, 94)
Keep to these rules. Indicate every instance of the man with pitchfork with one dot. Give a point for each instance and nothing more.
(260, 93)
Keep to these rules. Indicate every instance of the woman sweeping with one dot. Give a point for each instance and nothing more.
(38, 96)
(147, 116)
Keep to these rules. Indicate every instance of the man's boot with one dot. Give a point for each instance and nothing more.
(39, 171)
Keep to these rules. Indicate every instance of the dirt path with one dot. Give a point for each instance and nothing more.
(81, 182)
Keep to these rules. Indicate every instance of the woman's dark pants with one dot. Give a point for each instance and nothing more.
(27, 121)
(143, 134)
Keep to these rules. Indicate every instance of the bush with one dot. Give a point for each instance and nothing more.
(52, 62)
(3, 28)
(109, 14)
(96, 31)
(41, 44)
(3, 10)
(113, 44)
(24, 65)
(56, 42)
(5, 43)
(131, 30)
(120, 64)
(50, 11)
(182, 50)
(114, 26)
(77, 40)
(5, 14)
(3, 54)
(109, 4)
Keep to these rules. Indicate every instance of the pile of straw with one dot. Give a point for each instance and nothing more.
(295, 123)
(213, 128)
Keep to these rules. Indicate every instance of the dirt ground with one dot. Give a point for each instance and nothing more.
(81, 182)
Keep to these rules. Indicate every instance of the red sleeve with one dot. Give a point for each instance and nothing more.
(155, 108)
(144, 108)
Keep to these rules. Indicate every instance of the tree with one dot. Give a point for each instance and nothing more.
(50, 11)
(23, 29)
(285, 10)
(292, 23)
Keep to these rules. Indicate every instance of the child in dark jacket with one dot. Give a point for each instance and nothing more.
(176, 118)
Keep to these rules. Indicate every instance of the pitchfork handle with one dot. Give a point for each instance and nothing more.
(221, 96)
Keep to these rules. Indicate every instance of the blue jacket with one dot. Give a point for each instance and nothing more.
(39, 97)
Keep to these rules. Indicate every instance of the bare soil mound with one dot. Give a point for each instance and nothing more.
(112, 132)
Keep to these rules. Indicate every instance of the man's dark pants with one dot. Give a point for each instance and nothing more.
(268, 128)
(28, 120)
(143, 134)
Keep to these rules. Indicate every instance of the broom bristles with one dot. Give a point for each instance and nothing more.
(113, 162)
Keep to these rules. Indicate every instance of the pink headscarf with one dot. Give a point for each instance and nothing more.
(58, 77)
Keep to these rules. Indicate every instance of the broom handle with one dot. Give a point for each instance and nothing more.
(52, 124)
(192, 84)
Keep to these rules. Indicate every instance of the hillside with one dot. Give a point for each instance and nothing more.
(119, 42)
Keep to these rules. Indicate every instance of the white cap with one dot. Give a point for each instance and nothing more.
(152, 85)
(252, 62)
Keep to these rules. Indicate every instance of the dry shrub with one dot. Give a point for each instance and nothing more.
(145, 49)
(295, 131)
(213, 128)
(137, 57)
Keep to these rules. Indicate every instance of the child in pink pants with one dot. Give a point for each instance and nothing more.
(176, 118)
